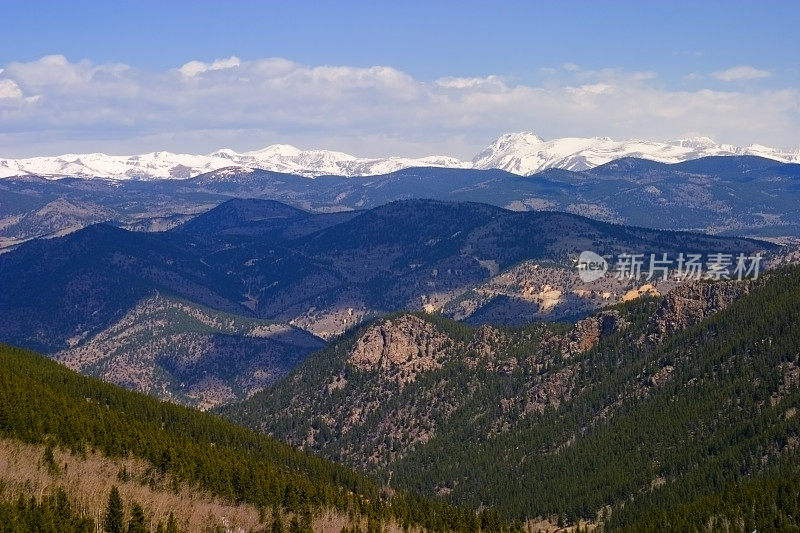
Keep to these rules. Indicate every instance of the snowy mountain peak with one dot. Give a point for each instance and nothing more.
(695, 142)
(280, 150)
(227, 153)
(160, 165)
(510, 142)
(522, 153)
(523, 137)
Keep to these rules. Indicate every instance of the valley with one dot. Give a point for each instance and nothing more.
(431, 349)
(399, 267)
(226, 303)
(567, 412)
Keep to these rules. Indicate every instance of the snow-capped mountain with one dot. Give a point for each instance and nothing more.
(286, 158)
(520, 153)
(145, 166)
(526, 154)
(159, 165)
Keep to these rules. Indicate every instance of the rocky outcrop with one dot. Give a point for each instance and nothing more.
(485, 341)
(682, 307)
(688, 304)
(587, 332)
(645, 290)
(401, 348)
(550, 390)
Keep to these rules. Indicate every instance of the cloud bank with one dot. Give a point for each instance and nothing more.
(741, 73)
(54, 105)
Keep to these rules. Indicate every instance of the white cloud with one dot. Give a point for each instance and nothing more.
(645, 75)
(592, 89)
(742, 73)
(489, 82)
(199, 107)
(9, 89)
(193, 68)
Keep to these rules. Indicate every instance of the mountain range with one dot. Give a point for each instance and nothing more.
(661, 414)
(214, 309)
(628, 405)
(731, 195)
(426, 327)
(519, 153)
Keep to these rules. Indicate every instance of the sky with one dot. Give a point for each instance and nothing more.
(391, 78)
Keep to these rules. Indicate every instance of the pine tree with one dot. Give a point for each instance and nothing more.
(50, 460)
(114, 519)
(137, 523)
(277, 523)
(172, 524)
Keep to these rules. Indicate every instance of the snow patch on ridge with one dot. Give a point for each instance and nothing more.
(520, 153)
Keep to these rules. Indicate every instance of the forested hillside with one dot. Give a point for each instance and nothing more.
(676, 411)
(44, 404)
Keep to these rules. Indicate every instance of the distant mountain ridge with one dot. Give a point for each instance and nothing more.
(521, 153)
(734, 195)
(526, 153)
(320, 272)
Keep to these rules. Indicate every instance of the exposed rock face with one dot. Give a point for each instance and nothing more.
(551, 391)
(683, 307)
(647, 289)
(588, 332)
(688, 304)
(661, 376)
(485, 341)
(533, 291)
(401, 347)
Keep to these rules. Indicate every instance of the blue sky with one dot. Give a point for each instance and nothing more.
(712, 58)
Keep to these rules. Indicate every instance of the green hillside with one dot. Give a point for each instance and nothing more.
(43, 403)
(653, 425)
